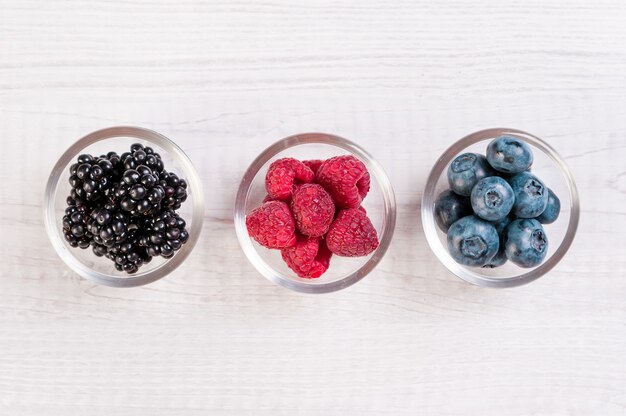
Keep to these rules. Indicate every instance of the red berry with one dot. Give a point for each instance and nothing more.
(283, 174)
(314, 164)
(352, 234)
(309, 258)
(272, 225)
(267, 199)
(346, 179)
(313, 209)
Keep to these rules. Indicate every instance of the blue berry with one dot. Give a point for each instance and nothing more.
(525, 242)
(509, 155)
(473, 241)
(531, 195)
(492, 198)
(500, 258)
(551, 213)
(449, 208)
(465, 170)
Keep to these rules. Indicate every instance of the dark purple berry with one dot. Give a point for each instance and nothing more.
(128, 204)
(137, 192)
(84, 158)
(83, 171)
(131, 177)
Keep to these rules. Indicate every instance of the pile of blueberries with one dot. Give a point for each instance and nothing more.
(495, 208)
(124, 207)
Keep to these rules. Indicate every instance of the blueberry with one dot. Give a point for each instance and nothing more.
(500, 258)
(473, 241)
(449, 208)
(509, 155)
(465, 170)
(531, 195)
(525, 242)
(551, 213)
(503, 223)
(492, 198)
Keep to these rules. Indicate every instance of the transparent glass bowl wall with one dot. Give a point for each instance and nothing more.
(99, 269)
(379, 203)
(547, 166)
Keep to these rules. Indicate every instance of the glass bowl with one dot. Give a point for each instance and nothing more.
(380, 204)
(83, 261)
(547, 166)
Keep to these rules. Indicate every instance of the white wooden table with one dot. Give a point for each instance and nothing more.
(224, 80)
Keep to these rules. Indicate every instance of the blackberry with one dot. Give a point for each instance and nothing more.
(140, 155)
(107, 225)
(139, 192)
(91, 178)
(175, 190)
(165, 234)
(123, 207)
(128, 255)
(74, 228)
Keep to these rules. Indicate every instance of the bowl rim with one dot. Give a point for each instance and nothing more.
(429, 196)
(385, 234)
(193, 183)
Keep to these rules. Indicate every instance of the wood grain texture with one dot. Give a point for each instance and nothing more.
(224, 80)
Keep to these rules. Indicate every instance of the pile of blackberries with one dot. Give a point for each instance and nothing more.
(124, 207)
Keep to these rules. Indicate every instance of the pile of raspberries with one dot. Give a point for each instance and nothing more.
(313, 210)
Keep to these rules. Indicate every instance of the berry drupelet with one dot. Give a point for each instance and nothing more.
(123, 206)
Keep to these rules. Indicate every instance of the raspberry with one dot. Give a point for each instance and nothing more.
(352, 234)
(283, 174)
(313, 209)
(271, 225)
(309, 257)
(314, 164)
(346, 179)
